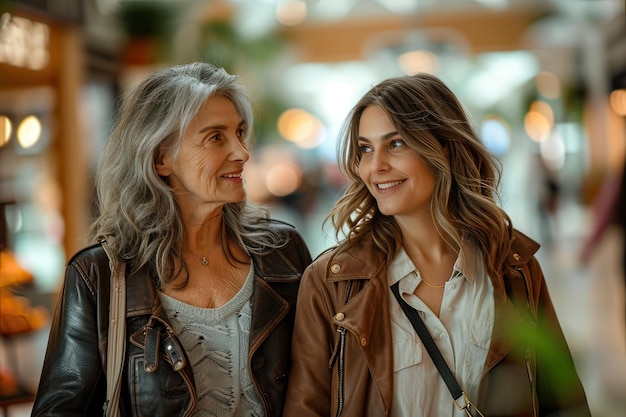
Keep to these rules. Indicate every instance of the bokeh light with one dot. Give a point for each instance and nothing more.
(414, 62)
(495, 134)
(548, 85)
(29, 131)
(6, 127)
(300, 127)
(291, 12)
(618, 101)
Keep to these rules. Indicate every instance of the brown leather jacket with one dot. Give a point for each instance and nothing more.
(73, 380)
(342, 363)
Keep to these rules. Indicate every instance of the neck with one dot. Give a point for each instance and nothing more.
(203, 234)
(423, 237)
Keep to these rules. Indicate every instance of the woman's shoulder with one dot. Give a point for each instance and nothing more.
(87, 266)
(286, 232)
(90, 254)
(289, 244)
(359, 258)
(281, 227)
(523, 247)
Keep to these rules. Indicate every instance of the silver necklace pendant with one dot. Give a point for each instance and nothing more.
(204, 261)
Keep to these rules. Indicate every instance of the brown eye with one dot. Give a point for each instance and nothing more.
(241, 133)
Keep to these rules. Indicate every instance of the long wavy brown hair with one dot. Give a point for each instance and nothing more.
(432, 121)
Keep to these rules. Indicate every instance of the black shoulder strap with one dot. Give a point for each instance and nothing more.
(435, 354)
(429, 343)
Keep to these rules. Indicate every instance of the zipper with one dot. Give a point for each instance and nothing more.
(342, 344)
(529, 371)
(341, 359)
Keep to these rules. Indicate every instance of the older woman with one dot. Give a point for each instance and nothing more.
(211, 281)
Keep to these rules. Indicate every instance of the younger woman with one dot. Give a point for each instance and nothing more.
(420, 212)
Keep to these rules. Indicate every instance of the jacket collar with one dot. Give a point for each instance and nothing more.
(365, 261)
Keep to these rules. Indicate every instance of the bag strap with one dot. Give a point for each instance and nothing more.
(435, 354)
(116, 343)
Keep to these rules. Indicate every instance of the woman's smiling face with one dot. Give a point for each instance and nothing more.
(208, 168)
(394, 173)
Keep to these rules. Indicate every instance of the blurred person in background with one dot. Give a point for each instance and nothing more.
(420, 218)
(609, 212)
(211, 281)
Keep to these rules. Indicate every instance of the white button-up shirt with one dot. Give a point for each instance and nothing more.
(462, 332)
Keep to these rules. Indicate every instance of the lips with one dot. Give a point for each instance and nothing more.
(388, 185)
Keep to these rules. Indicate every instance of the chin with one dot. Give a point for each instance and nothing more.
(387, 211)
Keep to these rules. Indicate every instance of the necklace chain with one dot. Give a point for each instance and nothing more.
(433, 285)
(203, 259)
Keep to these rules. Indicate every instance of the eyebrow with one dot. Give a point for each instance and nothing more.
(219, 127)
(385, 137)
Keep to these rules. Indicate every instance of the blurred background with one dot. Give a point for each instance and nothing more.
(545, 81)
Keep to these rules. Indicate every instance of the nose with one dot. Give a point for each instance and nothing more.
(239, 150)
(379, 161)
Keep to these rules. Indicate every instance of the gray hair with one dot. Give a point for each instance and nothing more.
(137, 211)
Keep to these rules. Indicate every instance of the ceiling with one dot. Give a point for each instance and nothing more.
(343, 30)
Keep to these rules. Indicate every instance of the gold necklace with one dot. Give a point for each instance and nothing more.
(433, 285)
(203, 259)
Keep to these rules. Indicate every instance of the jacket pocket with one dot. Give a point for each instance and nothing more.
(160, 393)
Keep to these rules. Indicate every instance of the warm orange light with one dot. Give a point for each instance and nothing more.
(11, 273)
(283, 179)
(545, 109)
(537, 126)
(618, 101)
(291, 12)
(414, 62)
(300, 127)
(5, 130)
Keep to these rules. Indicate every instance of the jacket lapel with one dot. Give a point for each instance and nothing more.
(269, 309)
(504, 337)
(366, 315)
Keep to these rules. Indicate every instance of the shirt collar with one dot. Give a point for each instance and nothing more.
(466, 261)
(465, 264)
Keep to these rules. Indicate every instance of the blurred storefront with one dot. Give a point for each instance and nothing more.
(42, 175)
(42, 170)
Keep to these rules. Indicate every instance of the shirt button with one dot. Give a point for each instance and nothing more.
(448, 309)
(363, 341)
(453, 286)
(335, 268)
(442, 335)
(339, 316)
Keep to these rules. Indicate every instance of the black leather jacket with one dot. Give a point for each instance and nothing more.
(73, 380)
